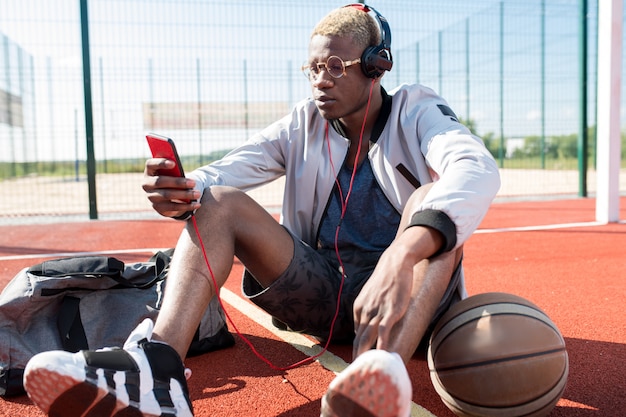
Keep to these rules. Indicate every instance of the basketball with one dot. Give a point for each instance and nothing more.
(498, 354)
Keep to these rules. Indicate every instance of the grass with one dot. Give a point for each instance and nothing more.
(10, 170)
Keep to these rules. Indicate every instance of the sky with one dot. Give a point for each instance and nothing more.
(208, 50)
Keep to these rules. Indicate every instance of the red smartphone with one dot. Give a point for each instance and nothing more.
(162, 147)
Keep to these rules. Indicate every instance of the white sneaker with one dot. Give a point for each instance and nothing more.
(143, 379)
(376, 384)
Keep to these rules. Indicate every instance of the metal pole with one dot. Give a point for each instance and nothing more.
(417, 62)
(199, 109)
(91, 160)
(610, 29)
(151, 92)
(22, 83)
(76, 162)
(542, 143)
(501, 150)
(290, 93)
(51, 134)
(9, 105)
(440, 58)
(245, 97)
(34, 107)
(583, 146)
(104, 137)
(467, 68)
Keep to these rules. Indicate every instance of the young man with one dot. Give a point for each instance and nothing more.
(381, 192)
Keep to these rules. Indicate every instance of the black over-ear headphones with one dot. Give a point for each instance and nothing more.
(375, 60)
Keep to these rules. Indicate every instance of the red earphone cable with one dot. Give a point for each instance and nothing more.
(344, 205)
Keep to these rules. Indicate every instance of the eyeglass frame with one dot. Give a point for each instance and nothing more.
(311, 75)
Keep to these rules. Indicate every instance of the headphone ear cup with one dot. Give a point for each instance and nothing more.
(375, 61)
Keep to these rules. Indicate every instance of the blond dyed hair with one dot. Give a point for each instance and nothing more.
(350, 22)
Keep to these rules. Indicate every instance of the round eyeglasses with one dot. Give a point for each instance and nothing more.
(335, 66)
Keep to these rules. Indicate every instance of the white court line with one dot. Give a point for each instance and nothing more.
(541, 227)
(66, 254)
(153, 250)
(302, 343)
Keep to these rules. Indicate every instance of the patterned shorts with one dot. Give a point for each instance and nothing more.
(305, 296)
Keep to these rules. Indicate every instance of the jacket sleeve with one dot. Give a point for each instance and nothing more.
(256, 162)
(465, 174)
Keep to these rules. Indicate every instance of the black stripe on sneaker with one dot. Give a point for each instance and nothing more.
(132, 387)
(91, 376)
(108, 376)
(116, 360)
(162, 393)
(165, 364)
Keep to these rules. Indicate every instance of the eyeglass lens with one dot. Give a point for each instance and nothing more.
(334, 65)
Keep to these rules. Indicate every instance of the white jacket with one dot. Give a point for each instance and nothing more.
(425, 139)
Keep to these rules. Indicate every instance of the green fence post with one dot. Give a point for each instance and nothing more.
(91, 161)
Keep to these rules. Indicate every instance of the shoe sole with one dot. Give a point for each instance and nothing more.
(376, 384)
(363, 394)
(63, 396)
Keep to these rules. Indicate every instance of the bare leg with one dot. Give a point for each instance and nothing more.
(231, 224)
(430, 281)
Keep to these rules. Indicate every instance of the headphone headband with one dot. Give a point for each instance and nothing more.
(375, 60)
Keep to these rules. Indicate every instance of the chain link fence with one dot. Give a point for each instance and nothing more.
(209, 73)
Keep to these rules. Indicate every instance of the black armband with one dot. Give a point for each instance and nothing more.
(438, 220)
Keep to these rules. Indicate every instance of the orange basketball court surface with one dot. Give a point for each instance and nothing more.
(550, 252)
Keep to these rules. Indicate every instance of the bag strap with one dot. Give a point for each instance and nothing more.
(70, 325)
(100, 267)
(161, 263)
(79, 265)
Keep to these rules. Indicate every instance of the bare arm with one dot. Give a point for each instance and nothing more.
(385, 297)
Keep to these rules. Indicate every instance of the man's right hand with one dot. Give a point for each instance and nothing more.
(170, 196)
